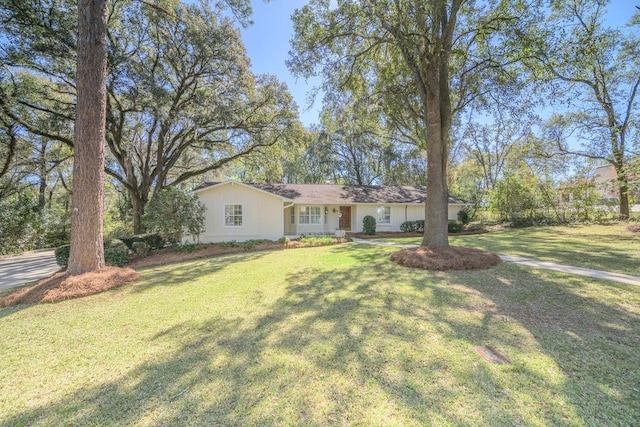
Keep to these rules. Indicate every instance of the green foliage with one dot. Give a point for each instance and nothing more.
(173, 212)
(463, 216)
(317, 240)
(248, 244)
(117, 257)
(114, 254)
(140, 248)
(412, 226)
(513, 196)
(154, 240)
(62, 255)
(20, 223)
(116, 243)
(188, 247)
(284, 240)
(369, 225)
(455, 226)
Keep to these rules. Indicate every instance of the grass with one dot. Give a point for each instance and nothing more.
(609, 248)
(327, 335)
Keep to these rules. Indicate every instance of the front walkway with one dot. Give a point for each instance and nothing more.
(595, 274)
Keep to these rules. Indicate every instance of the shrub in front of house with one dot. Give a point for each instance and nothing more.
(114, 255)
(463, 216)
(412, 226)
(455, 226)
(369, 225)
(154, 240)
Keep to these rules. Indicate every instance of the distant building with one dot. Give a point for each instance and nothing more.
(605, 182)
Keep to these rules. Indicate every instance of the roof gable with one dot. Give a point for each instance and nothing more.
(210, 185)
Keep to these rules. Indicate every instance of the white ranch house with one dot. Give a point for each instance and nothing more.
(240, 212)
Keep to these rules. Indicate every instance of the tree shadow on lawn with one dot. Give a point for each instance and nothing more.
(375, 343)
(159, 275)
(592, 335)
(558, 248)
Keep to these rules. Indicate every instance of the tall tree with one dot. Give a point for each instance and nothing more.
(87, 251)
(424, 57)
(594, 74)
(181, 99)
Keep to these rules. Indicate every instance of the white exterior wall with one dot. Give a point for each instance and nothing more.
(399, 214)
(329, 220)
(263, 216)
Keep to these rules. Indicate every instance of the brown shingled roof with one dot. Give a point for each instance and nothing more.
(346, 194)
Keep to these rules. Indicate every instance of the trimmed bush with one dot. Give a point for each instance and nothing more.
(455, 226)
(62, 255)
(406, 227)
(116, 257)
(369, 225)
(112, 255)
(412, 226)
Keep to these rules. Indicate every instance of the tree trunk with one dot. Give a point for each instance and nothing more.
(623, 187)
(87, 253)
(138, 211)
(436, 205)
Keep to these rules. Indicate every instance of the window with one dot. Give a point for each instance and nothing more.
(293, 216)
(384, 215)
(309, 215)
(233, 216)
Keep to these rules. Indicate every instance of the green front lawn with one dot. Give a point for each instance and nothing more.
(601, 247)
(329, 335)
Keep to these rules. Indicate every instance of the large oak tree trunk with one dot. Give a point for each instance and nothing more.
(436, 206)
(87, 253)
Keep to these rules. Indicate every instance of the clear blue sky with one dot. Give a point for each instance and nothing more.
(267, 43)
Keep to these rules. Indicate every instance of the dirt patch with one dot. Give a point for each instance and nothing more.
(442, 259)
(384, 234)
(61, 287)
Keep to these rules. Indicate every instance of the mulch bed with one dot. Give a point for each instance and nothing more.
(442, 259)
(60, 287)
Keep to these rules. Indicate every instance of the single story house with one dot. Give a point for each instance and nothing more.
(238, 211)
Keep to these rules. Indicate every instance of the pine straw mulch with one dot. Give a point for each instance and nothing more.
(61, 287)
(442, 259)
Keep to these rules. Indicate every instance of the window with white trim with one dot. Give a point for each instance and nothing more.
(309, 215)
(233, 216)
(384, 215)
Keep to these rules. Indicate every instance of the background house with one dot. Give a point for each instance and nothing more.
(237, 211)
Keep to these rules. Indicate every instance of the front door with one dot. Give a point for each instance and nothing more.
(345, 218)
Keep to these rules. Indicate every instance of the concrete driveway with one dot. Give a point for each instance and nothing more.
(28, 267)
